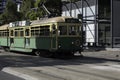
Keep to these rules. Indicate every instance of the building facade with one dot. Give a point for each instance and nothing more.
(100, 21)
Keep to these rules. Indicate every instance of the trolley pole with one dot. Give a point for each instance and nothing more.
(70, 7)
(82, 23)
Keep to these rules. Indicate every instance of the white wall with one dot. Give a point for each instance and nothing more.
(90, 33)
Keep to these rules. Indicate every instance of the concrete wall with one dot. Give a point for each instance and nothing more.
(116, 23)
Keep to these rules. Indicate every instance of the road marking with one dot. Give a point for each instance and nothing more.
(18, 74)
(117, 66)
(108, 68)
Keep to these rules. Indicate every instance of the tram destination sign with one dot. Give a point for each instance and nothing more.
(72, 20)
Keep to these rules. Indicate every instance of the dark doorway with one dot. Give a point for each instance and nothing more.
(104, 23)
(116, 23)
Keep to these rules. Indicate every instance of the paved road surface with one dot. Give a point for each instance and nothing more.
(94, 66)
(6, 76)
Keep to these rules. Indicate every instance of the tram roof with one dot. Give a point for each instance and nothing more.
(43, 21)
(51, 20)
(3, 27)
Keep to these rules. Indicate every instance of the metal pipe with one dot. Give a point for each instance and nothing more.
(46, 9)
(82, 23)
(112, 42)
(70, 7)
(96, 27)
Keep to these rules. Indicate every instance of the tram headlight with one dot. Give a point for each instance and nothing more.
(59, 46)
(72, 42)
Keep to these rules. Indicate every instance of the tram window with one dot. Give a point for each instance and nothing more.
(37, 33)
(21, 33)
(27, 32)
(6, 33)
(12, 33)
(0, 34)
(32, 32)
(45, 31)
(72, 30)
(62, 30)
(42, 32)
(16, 33)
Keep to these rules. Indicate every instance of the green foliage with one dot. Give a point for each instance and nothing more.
(26, 13)
(54, 6)
(2, 19)
(31, 15)
(10, 13)
(37, 2)
(26, 8)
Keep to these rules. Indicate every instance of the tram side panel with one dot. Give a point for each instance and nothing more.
(4, 41)
(40, 43)
(72, 44)
(19, 42)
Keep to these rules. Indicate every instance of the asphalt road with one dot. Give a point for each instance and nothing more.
(6, 76)
(102, 65)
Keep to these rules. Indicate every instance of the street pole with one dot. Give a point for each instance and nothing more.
(71, 8)
(112, 42)
(82, 23)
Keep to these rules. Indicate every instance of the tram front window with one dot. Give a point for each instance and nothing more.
(73, 30)
(62, 30)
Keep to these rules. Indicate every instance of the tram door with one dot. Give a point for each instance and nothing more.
(27, 39)
(54, 37)
(12, 38)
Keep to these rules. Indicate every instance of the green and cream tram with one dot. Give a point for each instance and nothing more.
(44, 37)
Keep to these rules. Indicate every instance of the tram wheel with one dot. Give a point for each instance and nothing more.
(69, 54)
(37, 53)
(46, 54)
(6, 49)
(64, 55)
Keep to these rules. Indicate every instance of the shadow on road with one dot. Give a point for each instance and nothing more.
(22, 60)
